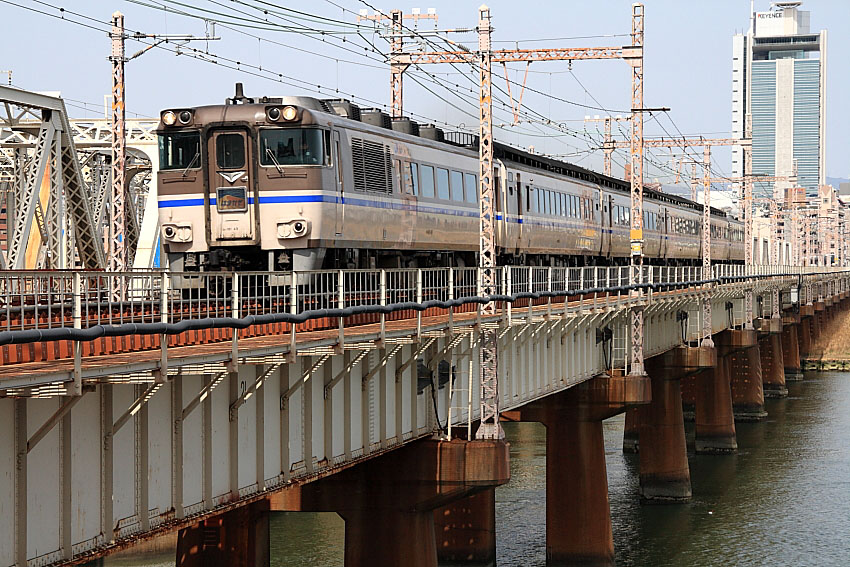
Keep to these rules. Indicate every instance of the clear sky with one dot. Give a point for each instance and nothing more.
(688, 63)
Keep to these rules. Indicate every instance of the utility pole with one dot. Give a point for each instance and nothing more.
(706, 244)
(634, 55)
(706, 143)
(490, 427)
(398, 62)
(117, 219)
(607, 148)
(119, 248)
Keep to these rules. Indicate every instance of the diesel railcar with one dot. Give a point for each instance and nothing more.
(301, 183)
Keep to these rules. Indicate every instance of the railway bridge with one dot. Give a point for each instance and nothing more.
(132, 409)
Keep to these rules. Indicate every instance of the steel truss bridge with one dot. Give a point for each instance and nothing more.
(55, 194)
(133, 408)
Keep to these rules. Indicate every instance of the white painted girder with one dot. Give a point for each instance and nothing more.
(166, 462)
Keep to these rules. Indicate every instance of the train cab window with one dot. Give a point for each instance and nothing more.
(470, 182)
(442, 183)
(180, 150)
(428, 181)
(292, 146)
(230, 151)
(414, 178)
(457, 186)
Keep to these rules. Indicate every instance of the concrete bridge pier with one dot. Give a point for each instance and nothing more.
(791, 348)
(747, 385)
(388, 502)
(772, 362)
(664, 472)
(819, 320)
(807, 313)
(714, 423)
(238, 538)
(578, 516)
(466, 530)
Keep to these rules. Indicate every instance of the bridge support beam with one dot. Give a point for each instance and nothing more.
(578, 516)
(791, 348)
(466, 530)
(239, 538)
(388, 502)
(773, 366)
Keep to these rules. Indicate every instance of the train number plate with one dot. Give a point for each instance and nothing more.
(231, 199)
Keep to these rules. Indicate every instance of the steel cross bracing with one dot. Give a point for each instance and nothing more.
(47, 115)
(485, 57)
(93, 139)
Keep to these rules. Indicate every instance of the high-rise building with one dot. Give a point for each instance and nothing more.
(779, 84)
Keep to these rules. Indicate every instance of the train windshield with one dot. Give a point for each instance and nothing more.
(291, 146)
(180, 150)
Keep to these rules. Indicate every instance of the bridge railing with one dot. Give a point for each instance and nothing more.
(78, 299)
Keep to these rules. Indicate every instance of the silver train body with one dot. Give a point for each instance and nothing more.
(303, 184)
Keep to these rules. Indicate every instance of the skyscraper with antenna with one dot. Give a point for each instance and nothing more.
(779, 84)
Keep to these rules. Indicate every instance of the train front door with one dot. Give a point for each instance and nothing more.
(233, 200)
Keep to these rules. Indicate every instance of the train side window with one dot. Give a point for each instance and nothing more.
(559, 210)
(457, 186)
(427, 181)
(443, 183)
(230, 151)
(397, 180)
(414, 178)
(470, 181)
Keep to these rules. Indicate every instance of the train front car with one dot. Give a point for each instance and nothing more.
(242, 186)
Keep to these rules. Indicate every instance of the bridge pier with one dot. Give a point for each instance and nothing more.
(791, 348)
(388, 502)
(239, 538)
(773, 366)
(466, 530)
(664, 472)
(747, 387)
(805, 331)
(714, 422)
(578, 516)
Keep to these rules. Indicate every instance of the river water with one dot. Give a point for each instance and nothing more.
(782, 500)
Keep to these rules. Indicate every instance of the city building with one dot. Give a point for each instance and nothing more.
(779, 84)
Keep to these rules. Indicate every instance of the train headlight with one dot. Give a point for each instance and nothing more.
(290, 113)
(169, 118)
(293, 228)
(185, 117)
(273, 114)
(177, 232)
